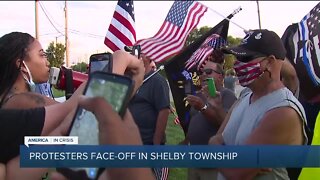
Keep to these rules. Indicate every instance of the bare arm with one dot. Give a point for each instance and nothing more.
(279, 127)
(161, 126)
(125, 63)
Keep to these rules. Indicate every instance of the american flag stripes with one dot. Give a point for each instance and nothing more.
(182, 18)
(121, 31)
(212, 43)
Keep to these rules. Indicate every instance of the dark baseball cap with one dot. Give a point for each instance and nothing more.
(258, 43)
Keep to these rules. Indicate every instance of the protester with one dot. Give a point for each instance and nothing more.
(230, 80)
(23, 63)
(206, 118)
(270, 114)
(124, 62)
(44, 89)
(150, 108)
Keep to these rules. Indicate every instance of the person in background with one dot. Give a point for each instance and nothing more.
(230, 80)
(150, 108)
(206, 118)
(44, 89)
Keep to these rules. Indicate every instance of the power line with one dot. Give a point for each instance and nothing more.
(74, 31)
(47, 34)
(50, 19)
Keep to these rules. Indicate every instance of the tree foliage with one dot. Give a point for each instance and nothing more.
(228, 58)
(196, 33)
(80, 67)
(55, 53)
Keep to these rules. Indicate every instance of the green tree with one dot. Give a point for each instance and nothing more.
(55, 54)
(196, 33)
(80, 67)
(228, 58)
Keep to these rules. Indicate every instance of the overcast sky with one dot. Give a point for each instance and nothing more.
(88, 21)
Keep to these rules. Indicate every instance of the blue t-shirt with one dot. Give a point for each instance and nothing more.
(44, 89)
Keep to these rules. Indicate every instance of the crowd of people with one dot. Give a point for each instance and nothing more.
(267, 111)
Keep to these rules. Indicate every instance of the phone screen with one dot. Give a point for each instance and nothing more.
(98, 65)
(116, 90)
(101, 62)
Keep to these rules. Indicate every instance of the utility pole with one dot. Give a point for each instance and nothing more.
(259, 14)
(36, 19)
(66, 33)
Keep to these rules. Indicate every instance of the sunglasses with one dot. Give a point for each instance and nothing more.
(210, 71)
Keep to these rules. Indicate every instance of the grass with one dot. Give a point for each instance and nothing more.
(174, 135)
(57, 93)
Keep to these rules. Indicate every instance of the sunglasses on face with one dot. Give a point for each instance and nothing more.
(210, 71)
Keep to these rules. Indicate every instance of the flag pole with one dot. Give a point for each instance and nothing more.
(259, 14)
(234, 13)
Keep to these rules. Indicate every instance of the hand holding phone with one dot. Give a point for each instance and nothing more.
(211, 87)
(116, 89)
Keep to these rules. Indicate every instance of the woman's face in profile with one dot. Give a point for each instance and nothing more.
(37, 62)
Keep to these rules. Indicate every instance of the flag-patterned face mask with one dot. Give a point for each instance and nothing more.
(247, 72)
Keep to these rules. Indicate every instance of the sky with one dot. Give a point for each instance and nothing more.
(88, 21)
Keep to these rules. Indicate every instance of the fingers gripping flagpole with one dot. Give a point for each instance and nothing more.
(234, 13)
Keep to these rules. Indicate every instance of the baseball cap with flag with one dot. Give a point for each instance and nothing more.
(258, 43)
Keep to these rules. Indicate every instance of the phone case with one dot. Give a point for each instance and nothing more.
(100, 58)
(211, 87)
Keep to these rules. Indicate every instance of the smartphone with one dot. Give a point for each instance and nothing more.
(134, 50)
(211, 87)
(100, 62)
(188, 87)
(116, 89)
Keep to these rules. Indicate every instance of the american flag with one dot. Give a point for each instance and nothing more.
(307, 43)
(212, 43)
(121, 31)
(182, 18)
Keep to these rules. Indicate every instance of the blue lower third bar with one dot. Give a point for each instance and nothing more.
(169, 156)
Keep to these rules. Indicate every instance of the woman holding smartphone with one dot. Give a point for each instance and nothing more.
(124, 62)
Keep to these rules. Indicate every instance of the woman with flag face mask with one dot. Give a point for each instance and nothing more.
(23, 63)
(269, 113)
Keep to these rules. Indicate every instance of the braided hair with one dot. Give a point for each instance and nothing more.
(13, 47)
